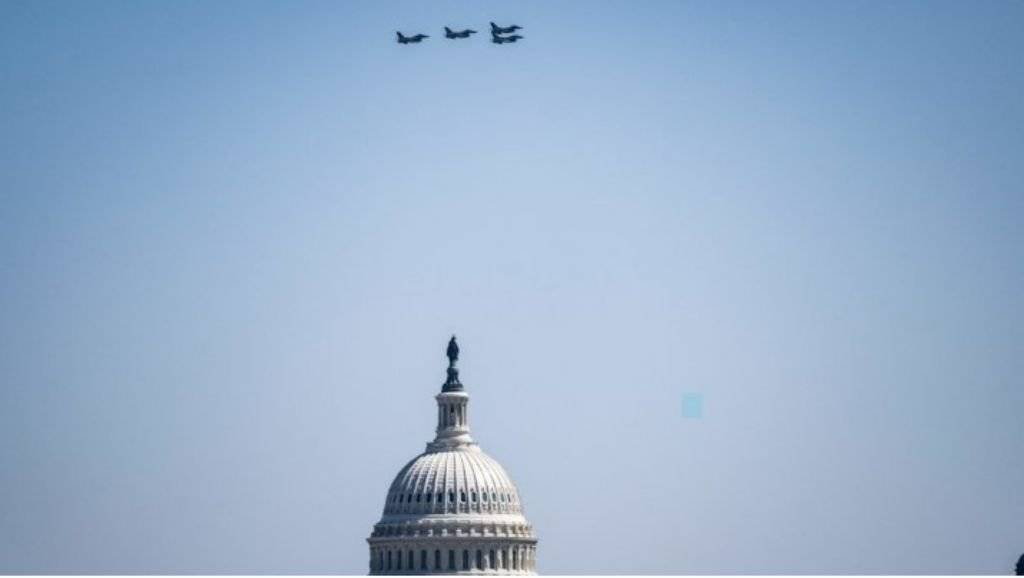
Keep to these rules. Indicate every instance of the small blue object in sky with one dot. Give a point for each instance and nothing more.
(693, 405)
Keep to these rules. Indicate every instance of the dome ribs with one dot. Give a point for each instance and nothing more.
(446, 484)
(462, 493)
(474, 497)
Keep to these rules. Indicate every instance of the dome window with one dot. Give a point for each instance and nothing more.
(451, 495)
(462, 496)
(472, 496)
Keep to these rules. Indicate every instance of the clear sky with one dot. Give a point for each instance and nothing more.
(236, 236)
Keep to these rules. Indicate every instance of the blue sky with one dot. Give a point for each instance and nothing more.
(235, 237)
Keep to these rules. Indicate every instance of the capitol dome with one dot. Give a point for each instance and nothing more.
(419, 488)
(453, 509)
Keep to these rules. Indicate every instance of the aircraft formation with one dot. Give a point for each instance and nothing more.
(499, 34)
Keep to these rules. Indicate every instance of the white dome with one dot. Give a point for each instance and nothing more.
(452, 509)
(448, 482)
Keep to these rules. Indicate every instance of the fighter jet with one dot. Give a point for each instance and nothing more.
(449, 33)
(415, 38)
(503, 39)
(495, 29)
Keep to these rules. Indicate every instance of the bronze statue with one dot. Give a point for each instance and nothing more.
(453, 352)
(452, 383)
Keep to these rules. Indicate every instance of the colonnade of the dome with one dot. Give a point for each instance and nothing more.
(454, 558)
